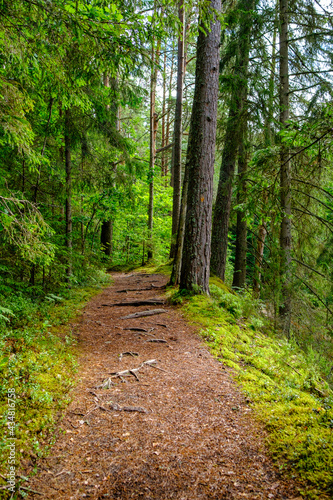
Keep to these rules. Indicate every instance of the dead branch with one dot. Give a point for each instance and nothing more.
(161, 341)
(135, 329)
(127, 353)
(144, 313)
(141, 289)
(126, 373)
(106, 384)
(116, 407)
(136, 303)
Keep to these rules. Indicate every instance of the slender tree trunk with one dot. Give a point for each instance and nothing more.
(107, 225)
(241, 228)
(262, 231)
(107, 236)
(231, 146)
(200, 160)
(285, 174)
(68, 203)
(177, 262)
(168, 120)
(163, 144)
(152, 145)
(176, 165)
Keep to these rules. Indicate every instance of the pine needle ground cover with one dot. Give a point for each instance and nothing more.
(281, 382)
(38, 365)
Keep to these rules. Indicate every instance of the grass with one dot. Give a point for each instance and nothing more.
(282, 382)
(38, 365)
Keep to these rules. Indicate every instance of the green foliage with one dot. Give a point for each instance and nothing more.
(282, 382)
(38, 360)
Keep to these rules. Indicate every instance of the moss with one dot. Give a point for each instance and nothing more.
(284, 386)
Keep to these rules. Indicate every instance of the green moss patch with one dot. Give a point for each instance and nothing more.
(283, 384)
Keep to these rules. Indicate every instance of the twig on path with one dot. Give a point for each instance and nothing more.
(91, 410)
(127, 353)
(94, 394)
(160, 341)
(75, 426)
(106, 384)
(138, 409)
(152, 312)
(30, 490)
(62, 472)
(151, 287)
(158, 368)
(133, 372)
(136, 303)
(138, 329)
(126, 373)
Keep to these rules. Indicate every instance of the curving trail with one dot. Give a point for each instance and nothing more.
(175, 429)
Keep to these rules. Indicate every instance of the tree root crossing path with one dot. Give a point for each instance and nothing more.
(154, 415)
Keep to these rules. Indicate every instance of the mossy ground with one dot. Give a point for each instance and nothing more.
(38, 361)
(282, 383)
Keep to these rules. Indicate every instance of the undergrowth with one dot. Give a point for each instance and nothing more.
(282, 382)
(38, 363)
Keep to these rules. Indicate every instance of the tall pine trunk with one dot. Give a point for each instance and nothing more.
(107, 225)
(285, 175)
(200, 160)
(269, 140)
(152, 143)
(176, 166)
(231, 145)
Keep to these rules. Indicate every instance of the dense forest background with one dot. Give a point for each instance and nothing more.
(95, 112)
(194, 136)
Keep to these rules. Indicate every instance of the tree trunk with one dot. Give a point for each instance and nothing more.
(176, 165)
(152, 144)
(177, 262)
(168, 118)
(68, 203)
(241, 228)
(106, 237)
(231, 145)
(200, 160)
(259, 258)
(163, 143)
(262, 231)
(107, 226)
(285, 175)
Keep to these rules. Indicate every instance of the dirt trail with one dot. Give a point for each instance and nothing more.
(179, 432)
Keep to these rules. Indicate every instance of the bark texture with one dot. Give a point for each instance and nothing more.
(107, 225)
(231, 145)
(285, 174)
(152, 144)
(176, 165)
(177, 263)
(200, 161)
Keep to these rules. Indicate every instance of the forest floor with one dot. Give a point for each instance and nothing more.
(177, 429)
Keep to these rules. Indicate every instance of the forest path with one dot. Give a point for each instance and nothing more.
(185, 433)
